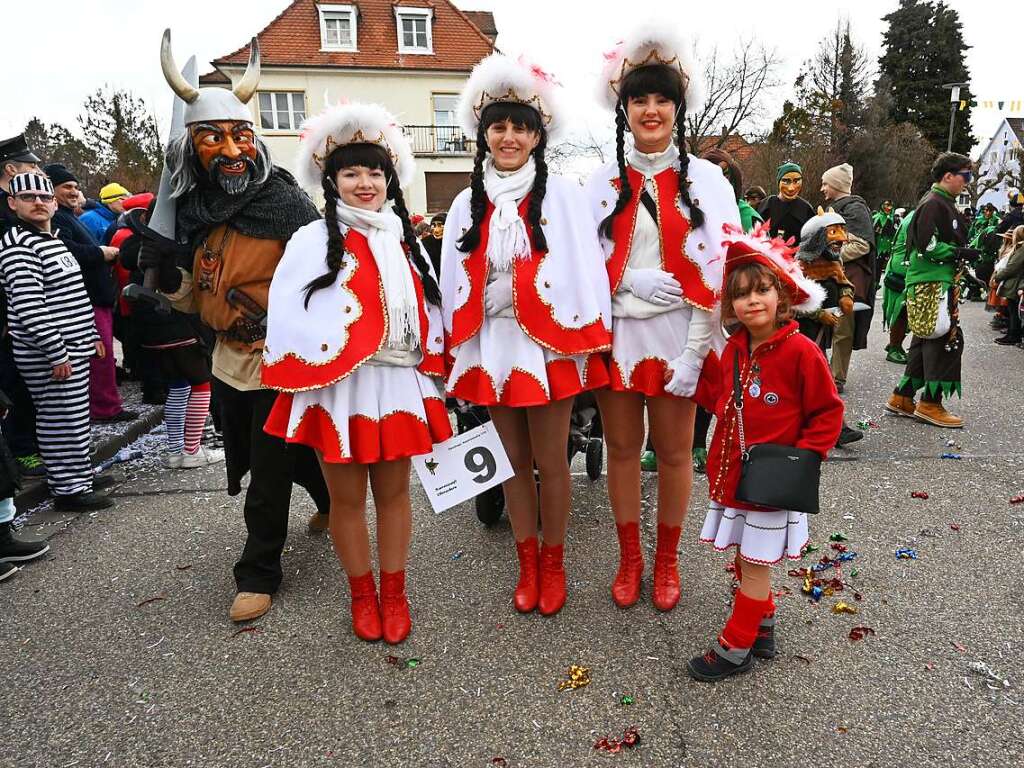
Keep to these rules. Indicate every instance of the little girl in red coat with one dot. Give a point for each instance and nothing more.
(789, 398)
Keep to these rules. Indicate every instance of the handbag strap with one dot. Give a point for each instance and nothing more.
(737, 398)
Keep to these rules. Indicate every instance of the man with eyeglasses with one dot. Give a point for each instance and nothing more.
(53, 338)
(936, 247)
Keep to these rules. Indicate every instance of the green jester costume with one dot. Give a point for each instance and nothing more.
(933, 241)
(894, 282)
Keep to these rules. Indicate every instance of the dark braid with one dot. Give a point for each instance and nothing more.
(478, 201)
(696, 214)
(335, 243)
(540, 185)
(430, 290)
(625, 191)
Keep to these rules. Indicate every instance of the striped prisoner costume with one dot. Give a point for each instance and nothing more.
(51, 323)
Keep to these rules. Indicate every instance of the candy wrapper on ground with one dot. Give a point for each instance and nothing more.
(578, 677)
(630, 739)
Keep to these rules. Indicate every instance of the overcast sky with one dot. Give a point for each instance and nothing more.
(51, 65)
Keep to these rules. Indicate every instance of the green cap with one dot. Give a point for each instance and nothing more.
(787, 167)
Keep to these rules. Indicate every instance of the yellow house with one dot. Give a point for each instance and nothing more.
(412, 56)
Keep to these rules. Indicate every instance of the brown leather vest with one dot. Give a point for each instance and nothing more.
(228, 259)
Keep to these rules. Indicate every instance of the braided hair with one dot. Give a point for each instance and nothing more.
(654, 78)
(375, 157)
(521, 116)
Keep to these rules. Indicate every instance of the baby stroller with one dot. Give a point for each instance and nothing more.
(585, 436)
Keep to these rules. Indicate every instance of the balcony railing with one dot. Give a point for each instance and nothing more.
(439, 140)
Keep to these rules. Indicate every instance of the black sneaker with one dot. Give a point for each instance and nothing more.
(710, 668)
(103, 481)
(14, 550)
(7, 570)
(764, 645)
(82, 502)
(1007, 341)
(849, 435)
(118, 417)
(839, 385)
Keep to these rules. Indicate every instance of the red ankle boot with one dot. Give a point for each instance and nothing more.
(394, 607)
(666, 568)
(626, 587)
(365, 609)
(552, 580)
(527, 590)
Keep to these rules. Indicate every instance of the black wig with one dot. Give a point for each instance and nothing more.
(375, 157)
(521, 116)
(665, 80)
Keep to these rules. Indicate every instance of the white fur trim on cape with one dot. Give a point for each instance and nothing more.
(350, 124)
(653, 42)
(502, 78)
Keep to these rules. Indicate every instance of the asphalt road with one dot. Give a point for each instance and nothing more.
(94, 675)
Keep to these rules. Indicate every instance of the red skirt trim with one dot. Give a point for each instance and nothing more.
(649, 379)
(398, 435)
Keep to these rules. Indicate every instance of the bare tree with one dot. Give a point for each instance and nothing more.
(1007, 170)
(736, 90)
(580, 152)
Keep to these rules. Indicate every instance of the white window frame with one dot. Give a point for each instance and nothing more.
(336, 11)
(422, 13)
(291, 110)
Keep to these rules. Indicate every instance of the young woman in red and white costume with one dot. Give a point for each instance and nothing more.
(358, 350)
(661, 214)
(526, 305)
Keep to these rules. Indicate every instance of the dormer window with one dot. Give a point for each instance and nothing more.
(337, 27)
(414, 30)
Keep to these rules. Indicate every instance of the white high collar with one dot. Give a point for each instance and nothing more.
(651, 164)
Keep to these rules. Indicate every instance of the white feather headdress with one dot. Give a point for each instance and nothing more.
(502, 78)
(654, 42)
(352, 124)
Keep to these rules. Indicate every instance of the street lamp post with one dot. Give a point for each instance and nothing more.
(954, 102)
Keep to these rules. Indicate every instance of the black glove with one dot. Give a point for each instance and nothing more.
(970, 255)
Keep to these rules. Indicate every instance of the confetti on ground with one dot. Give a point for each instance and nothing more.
(1017, 499)
(951, 456)
(404, 663)
(247, 630)
(859, 633)
(842, 728)
(627, 700)
(954, 527)
(151, 600)
(798, 657)
(919, 494)
(837, 537)
(578, 677)
(630, 739)
(863, 424)
(930, 666)
(457, 555)
(842, 607)
(959, 646)
(182, 567)
(906, 553)
(501, 762)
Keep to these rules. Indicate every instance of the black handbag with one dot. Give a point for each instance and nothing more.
(895, 283)
(774, 475)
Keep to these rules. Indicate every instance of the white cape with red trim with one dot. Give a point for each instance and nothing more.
(709, 190)
(572, 281)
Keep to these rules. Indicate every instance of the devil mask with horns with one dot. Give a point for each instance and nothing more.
(219, 146)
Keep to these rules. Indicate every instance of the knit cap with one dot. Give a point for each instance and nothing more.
(840, 178)
(58, 174)
(787, 167)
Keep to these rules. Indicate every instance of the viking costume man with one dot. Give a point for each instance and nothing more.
(235, 212)
(661, 213)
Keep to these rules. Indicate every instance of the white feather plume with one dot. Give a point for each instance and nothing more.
(502, 78)
(345, 124)
(653, 42)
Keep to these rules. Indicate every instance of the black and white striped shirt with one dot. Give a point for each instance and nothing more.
(48, 309)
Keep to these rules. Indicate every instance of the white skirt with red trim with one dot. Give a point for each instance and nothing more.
(501, 365)
(762, 537)
(377, 413)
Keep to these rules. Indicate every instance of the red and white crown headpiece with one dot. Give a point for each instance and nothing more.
(352, 124)
(773, 252)
(502, 78)
(654, 42)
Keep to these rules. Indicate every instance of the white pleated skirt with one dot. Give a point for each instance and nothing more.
(764, 538)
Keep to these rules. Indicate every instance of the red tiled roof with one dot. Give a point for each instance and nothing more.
(735, 145)
(293, 39)
(484, 21)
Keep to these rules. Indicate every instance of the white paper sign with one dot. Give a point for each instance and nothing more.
(463, 466)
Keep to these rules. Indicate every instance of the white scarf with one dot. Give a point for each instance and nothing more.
(507, 237)
(383, 230)
(651, 164)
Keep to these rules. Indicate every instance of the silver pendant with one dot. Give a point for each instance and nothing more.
(755, 390)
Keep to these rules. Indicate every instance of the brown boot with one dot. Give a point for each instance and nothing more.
(934, 413)
(249, 605)
(901, 405)
(319, 522)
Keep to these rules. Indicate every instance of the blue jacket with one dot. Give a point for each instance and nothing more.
(98, 220)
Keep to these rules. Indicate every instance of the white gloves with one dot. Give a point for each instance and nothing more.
(685, 372)
(653, 285)
(498, 294)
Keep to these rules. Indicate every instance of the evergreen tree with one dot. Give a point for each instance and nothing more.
(54, 143)
(924, 49)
